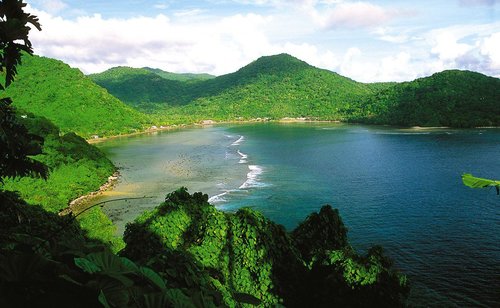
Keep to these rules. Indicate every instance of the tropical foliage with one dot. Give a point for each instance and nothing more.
(16, 144)
(47, 261)
(475, 182)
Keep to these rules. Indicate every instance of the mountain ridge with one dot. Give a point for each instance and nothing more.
(283, 73)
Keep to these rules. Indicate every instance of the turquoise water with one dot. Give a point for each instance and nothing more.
(395, 187)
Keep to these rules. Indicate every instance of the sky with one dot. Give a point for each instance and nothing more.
(368, 41)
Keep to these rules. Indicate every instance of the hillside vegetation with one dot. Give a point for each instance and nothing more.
(72, 101)
(282, 86)
(75, 169)
(179, 76)
(276, 86)
(451, 98)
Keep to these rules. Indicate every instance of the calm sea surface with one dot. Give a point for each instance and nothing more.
(399, 188)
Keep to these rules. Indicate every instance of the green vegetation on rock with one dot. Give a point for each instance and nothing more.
(246, 253)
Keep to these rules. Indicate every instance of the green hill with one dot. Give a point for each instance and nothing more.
(275, 86)
(72, 101)
(179, 76)
(282, 86)
(451, 98)
(136, 86)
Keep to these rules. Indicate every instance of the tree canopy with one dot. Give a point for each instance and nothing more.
(16, 144)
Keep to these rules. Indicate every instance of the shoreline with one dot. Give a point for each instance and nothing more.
(78, 205)
(204, 123)
(146, 131)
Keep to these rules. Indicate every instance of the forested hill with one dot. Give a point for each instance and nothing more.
(135, 86)
(274, 86)
(72, 101)
(450, 98)
(179, 76)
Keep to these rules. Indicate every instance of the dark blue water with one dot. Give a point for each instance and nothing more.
(397, 188)
(394, 187)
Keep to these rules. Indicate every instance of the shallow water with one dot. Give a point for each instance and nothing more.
(395, 187)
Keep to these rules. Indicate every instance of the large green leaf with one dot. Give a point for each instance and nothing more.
(15, 267)
(87, 266)
(109, 262)
(156, 300)
(102, 299)
(474, 182)
(113, 291)
(153, 277)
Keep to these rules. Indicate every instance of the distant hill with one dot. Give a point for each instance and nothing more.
(50, 88)
(450, 98)
(136, 86)
(179, 76)
(275, 86)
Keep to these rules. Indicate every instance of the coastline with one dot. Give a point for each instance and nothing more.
(204, 123)
(208, 122)
(146, 131)
(79, 204)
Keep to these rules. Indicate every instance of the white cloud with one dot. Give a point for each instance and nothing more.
(490, 47)
(52, 6)
(474, 47)
(161, 6)
(355, 15)
(446, 45)
(94, 43)
(188, 13)
(391, 36)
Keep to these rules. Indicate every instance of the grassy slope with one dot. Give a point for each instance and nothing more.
(72, 101)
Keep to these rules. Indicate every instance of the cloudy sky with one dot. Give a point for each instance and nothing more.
(372, 40)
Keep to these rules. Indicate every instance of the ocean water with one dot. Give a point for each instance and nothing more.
(399, 188)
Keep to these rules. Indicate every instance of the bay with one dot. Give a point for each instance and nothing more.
(399, 188)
